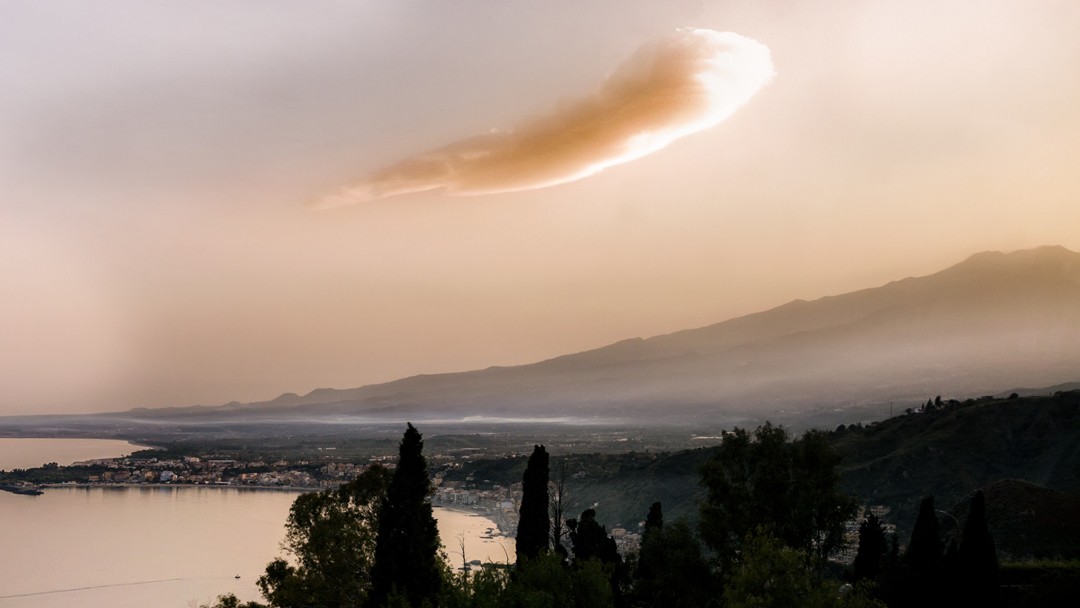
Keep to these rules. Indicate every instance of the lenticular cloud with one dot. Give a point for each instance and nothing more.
(669, 88)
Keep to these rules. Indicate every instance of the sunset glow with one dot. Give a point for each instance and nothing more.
(671, 87)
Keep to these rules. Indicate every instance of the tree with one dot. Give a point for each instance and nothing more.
(772, 574)
(788, 489)
(671, 570)
(872, 549)
(977, 557)
(590, 539)
(820, 509)
(534, 527)
(925, 549)
(917, 580)
(407, 564)
(654, 521)
(651, 557)
(331, 536)
(547, 582)
(558, 501)
(591, 543)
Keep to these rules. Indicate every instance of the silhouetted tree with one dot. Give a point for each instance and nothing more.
(650, 557)
(872, 549)
(590, 539)
(547, 582)
(331, 536)
(977, 558)
(770, 573)
(534, 527)
(557, 499)
(654, 521)
(591, 543)
(924, 551)
(407, 564)
(671, 569)
(788, 489)
(918, 580)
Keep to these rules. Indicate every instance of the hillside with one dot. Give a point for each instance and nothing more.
(1024, 451)
(1028, 520)
(951, 451)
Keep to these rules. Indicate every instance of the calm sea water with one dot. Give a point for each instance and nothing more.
(170, 547)
(29, 453)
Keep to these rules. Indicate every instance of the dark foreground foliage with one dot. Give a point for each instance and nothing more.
(771, 515)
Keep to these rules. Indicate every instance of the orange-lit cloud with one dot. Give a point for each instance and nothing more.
(669, 88)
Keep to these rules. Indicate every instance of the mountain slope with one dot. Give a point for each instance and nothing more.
(993, 321)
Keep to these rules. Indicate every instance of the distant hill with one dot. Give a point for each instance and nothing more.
(993, 321)
(1024, 453)
(1027, 520)
(951, 451)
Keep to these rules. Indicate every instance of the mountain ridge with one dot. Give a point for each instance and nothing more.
(992, 320)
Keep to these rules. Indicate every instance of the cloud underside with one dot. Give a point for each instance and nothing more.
(667, 89)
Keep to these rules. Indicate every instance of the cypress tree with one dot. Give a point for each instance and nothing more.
(654, 521)
(924, 550)
(533, 526)
(407, 561)
(921, 582)
(650, 556)
(872, 549)
(977, 558)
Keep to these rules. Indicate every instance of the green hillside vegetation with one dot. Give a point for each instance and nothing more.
(952, 449)
(1031, 521)
(616, 484)
(947, 451)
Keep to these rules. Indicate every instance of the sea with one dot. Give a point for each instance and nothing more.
(161, 547)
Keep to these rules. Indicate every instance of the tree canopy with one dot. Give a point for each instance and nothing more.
(331, 535)
(786, 489)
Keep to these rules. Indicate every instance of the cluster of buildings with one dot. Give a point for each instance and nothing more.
(496, 502)
(195, 470)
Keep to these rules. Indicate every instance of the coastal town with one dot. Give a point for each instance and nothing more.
(499, 503)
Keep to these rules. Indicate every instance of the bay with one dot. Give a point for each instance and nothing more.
(167, 547)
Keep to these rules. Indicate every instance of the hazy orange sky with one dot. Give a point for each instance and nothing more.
(156, 159)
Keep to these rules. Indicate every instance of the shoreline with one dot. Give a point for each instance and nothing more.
(494, 518)
(90, 486)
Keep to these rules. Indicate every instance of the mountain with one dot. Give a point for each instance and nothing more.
(994, 320)
(991, 322)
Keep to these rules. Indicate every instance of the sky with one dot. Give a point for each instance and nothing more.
(204, 201)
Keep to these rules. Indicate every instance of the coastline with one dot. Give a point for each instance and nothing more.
(121, 485)
(503, 527)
